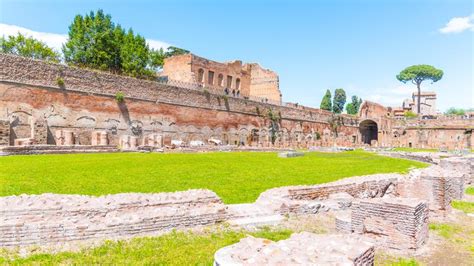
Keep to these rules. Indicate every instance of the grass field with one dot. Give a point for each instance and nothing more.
(235, 177)
(176, 248)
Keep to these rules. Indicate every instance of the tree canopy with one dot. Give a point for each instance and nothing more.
(339, 101)
(326, 103)
(95, 41)
(417, 74)
(28, 47)
(353, 107)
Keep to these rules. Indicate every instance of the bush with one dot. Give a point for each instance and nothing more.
(119, 97)
(60, 81)
(410, 114)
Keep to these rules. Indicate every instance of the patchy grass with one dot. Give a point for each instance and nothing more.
(415, 149)
(467, 207)
(237, 177)
(176, 248)
(470, 190)
(445, 230)
(458, 240)
(383, 259)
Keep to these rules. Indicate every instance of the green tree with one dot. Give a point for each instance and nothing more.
(173, 50)
(326, 103)
(353, 107)
(134, 55)
(417, 74)
(94, 41)
(157, 58)
(339, 101)
(28, 47)
(455, 111)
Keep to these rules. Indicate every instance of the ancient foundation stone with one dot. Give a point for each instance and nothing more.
(153, 140)
(99, 138)
(300, 249)
(398, 223)
(39, 131)
(435, 185)
(334, 195)
(64, 137)
(52, 218)
(4, 133)
(128, 142)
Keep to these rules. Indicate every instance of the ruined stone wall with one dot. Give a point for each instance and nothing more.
(399, 223)
(86, 103)
(4, 133)
(264, 83)
(74, 217)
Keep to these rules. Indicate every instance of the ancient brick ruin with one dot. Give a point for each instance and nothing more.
(392, 209)
(155, 113)
(299, 249)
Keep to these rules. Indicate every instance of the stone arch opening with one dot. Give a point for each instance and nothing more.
(368, 131)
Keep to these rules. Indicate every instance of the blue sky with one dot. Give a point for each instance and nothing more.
(313, 45)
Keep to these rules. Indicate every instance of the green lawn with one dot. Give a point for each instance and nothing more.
(236, 177)
(176, 248)
(415, 149)
(465, 206)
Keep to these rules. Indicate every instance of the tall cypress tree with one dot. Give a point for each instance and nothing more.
(326, 103)
(339, 101)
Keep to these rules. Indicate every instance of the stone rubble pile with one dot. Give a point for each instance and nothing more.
(52, 218)
(300, 249)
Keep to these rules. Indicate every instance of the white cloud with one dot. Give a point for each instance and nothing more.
(387, 96)
(55, 40)
(458, 24)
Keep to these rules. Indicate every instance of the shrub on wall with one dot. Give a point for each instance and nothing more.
(119, 97)
(60, 82)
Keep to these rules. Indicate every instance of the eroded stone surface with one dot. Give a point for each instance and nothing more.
(300, 249)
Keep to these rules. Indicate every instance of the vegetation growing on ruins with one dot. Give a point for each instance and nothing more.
(235, 177)
(119, 97)
(60, 82)
(28, 47)
(417, 74)
(467, 207)
(470, 190)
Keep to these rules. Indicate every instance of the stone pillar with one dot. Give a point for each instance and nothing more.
(4, 133)
(64, 137)
(39, 131)
(99, 138)
(154, 140)
(128, 142)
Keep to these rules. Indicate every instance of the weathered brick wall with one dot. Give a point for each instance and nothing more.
(399, 223)
(34, 72)
(52, 218)
(86, 103)
(435, 185)
(39, 131)
(4, 133)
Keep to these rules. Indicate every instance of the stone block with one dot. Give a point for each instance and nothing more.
(397, 223)
(64, 137)
(99, 138)
(300, 249)
(4, 133)
(290, 154)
